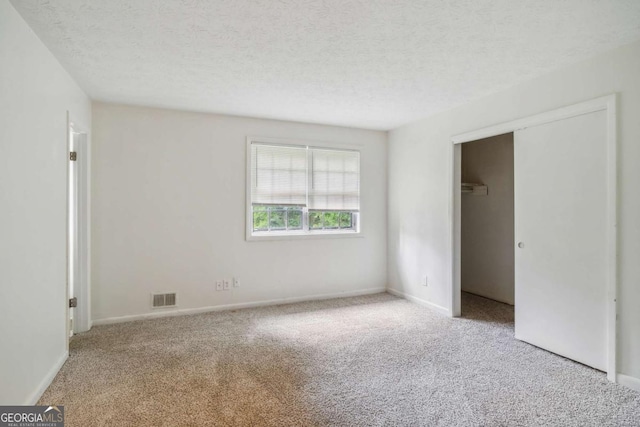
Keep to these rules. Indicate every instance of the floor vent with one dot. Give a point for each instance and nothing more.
(164, 300)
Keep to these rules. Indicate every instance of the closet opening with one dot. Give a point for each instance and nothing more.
(487, 227)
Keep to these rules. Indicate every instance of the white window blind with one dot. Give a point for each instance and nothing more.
(335, 180)
(278, 174)
(315, 178)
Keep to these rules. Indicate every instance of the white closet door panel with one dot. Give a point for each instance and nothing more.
(560, 222)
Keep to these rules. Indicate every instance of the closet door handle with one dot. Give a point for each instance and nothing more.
(520, 245)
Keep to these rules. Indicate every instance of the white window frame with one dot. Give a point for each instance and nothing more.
(250, 235)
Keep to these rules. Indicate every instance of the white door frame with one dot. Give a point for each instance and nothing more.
(606, 103)
(82, 318)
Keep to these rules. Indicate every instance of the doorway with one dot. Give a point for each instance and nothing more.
(487, 219)
(551, 132)
(78, 314)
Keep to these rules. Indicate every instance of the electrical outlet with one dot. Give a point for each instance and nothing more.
(227, 284)
(236, 282)
(426, 281)
(219, 285)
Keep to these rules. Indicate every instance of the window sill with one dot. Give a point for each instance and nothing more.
(304, 236)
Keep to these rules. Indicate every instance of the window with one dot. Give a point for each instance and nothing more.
(302, 190)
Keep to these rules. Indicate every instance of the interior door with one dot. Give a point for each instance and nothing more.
(560, 232)
(73, 273)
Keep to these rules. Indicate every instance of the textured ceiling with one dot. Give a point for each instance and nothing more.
(362, 63)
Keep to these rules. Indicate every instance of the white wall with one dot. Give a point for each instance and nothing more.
(35, 94)
(169, 214)
(487, 234)
(419, 171)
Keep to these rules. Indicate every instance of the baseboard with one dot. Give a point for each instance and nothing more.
(420, 301)
(627, 381)
(46, 381)
(511, 303)
(225, 307)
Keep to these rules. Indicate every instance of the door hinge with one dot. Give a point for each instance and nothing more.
(73, 156)
(73, 302)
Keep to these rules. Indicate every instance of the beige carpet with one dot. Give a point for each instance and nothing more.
(365, 361)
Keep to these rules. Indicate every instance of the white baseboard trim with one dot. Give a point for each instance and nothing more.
(419, 301)
(225, 307)
(491, 297)
(46, 381)
(627, 381)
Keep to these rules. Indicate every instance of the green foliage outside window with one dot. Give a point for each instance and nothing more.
(266, 218)
(346, 220)
(315, 220)
(277, 220)
(295, 220)
(260, 218)
(327, 220)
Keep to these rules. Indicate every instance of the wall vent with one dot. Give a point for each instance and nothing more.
(163, 300)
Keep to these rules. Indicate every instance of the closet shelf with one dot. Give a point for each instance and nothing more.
(474, 189)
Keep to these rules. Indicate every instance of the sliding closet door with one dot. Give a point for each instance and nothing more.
(560, 232)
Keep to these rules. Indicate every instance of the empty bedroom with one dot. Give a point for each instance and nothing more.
(319, 213)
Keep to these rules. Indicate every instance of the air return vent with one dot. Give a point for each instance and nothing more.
(163, 300)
